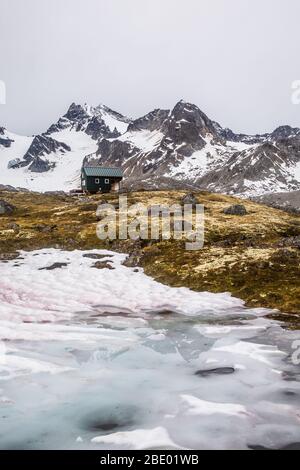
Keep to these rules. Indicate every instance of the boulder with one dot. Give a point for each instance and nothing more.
(54, 266)
(133, 260)
(4, 187)
(43, 228)
(189, 199)
(15, 227)
(6, 208)
(293, 242)
(95, 256)
(236, 209)
(103, 265)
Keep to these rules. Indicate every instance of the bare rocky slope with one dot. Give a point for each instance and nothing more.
(289, 201)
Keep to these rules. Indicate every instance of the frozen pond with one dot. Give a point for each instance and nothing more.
(110, 359)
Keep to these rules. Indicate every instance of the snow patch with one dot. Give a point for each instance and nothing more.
(144, 140)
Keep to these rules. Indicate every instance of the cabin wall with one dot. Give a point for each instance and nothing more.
(102, 184)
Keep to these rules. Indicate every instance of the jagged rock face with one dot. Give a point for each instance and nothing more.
(181, 133)
(279, 133)
(110, 153)
(41, 146)
(90, 120)
(151, 122)
(188, 124)
(5, 142)
(228, 135)
(40, 166)
(77, 116)
(285, 132)
(76, 113)
(44, 145)
(97, 129)
(264, 168)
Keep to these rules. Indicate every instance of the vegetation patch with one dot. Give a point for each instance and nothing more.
(256, 257)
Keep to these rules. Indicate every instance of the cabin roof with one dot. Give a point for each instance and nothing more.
(103, 171)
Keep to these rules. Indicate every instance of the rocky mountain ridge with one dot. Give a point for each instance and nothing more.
(165, 148)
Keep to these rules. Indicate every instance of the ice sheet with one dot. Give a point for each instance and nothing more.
(108, 359)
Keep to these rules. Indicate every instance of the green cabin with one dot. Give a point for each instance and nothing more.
(97, 179)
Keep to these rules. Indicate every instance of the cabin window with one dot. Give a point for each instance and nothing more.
(97, 181)
(106, 181)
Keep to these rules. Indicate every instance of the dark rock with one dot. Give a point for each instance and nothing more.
(6, 142)
(95, 256)
(236, 209)
(218, 371)
(188, 124)
(44, 145)
(189, 199)
(98, 129)
(103, 265)
(13, 226)
(284, 256)
(16, 163)
(41, 145)
(6, 208)
(8, 188)
(54, 266)
(133, 260)
(39, 165)
(293, 242)
(151, 122)
(90, 120)
(45, 228)
(76, 112)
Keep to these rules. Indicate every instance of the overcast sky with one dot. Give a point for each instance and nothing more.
(235, 59)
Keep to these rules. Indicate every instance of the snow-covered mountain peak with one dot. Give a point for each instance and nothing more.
(99, 121)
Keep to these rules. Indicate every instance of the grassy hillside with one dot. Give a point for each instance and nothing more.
(255, 257)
